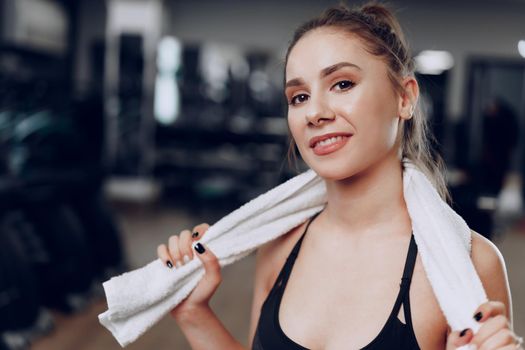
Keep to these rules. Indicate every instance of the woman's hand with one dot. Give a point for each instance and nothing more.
(178, 252)
(494, 333)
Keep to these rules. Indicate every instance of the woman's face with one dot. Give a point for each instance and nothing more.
(333, 85)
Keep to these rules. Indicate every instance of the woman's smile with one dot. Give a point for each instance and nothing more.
(330, 145)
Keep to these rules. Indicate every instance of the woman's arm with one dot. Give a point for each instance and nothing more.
(490, 266)
(495, 316)
(205, 331)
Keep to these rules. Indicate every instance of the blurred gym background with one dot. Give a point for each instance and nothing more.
(125, 121)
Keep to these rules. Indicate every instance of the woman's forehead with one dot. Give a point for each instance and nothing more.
(323, 47)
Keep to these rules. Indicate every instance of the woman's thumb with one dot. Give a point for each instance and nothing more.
(212, 277)
(459, 338)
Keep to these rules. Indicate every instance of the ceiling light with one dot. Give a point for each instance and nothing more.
(521, 48)
(433, 62)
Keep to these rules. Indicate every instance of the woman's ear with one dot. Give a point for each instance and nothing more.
(407, 102)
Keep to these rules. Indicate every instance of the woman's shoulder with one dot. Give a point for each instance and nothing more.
(486, 256)
(272, 255)
(490, 266)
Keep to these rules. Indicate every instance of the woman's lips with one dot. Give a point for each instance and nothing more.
(332, 147)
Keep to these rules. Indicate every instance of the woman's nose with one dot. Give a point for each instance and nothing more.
(318, 111)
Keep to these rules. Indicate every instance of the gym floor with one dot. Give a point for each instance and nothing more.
(143, 228)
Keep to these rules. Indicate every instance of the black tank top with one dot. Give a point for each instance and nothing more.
(394, 334)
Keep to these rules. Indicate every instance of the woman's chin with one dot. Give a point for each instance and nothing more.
(333, 173)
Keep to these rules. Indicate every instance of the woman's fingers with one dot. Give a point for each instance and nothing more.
(489, 309)
(164, 255)
(495, 331)
(179, 250)
(492, 316)
(173, 244)
(185, 246)
(499, 339)
(459, 338)
(490, 329)
(199, 230)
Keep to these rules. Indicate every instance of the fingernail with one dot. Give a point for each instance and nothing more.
(186, 259)
(178, 264)
(195, 234)
(199, 248)
(463, 332)
(170, 265)
(478, 316)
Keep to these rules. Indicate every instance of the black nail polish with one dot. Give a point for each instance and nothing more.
(199, 248)
(170, 265)
(195, 234)
(478, 316)
(463, 332)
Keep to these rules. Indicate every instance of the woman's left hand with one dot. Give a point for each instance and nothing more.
(494, 333)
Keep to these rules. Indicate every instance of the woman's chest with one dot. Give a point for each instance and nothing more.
(344, 303)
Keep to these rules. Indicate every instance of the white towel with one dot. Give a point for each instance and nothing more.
(139, 298)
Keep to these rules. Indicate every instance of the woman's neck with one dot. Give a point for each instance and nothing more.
(371, 199)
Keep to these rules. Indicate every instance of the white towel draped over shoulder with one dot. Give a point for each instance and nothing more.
(140, 298)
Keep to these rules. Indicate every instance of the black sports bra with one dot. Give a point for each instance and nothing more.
(394, 334)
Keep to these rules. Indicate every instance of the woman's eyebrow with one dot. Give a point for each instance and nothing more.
(324, 72)
(294, 82)
(330, 69)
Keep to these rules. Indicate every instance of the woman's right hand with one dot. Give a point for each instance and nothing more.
(178, 252)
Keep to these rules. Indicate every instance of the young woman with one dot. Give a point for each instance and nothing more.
(350, 277)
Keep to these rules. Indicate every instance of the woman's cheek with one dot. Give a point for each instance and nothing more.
(295, 131)
(390, 133)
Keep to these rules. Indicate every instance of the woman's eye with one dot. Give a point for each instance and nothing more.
(298, 99)
(344, 84)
